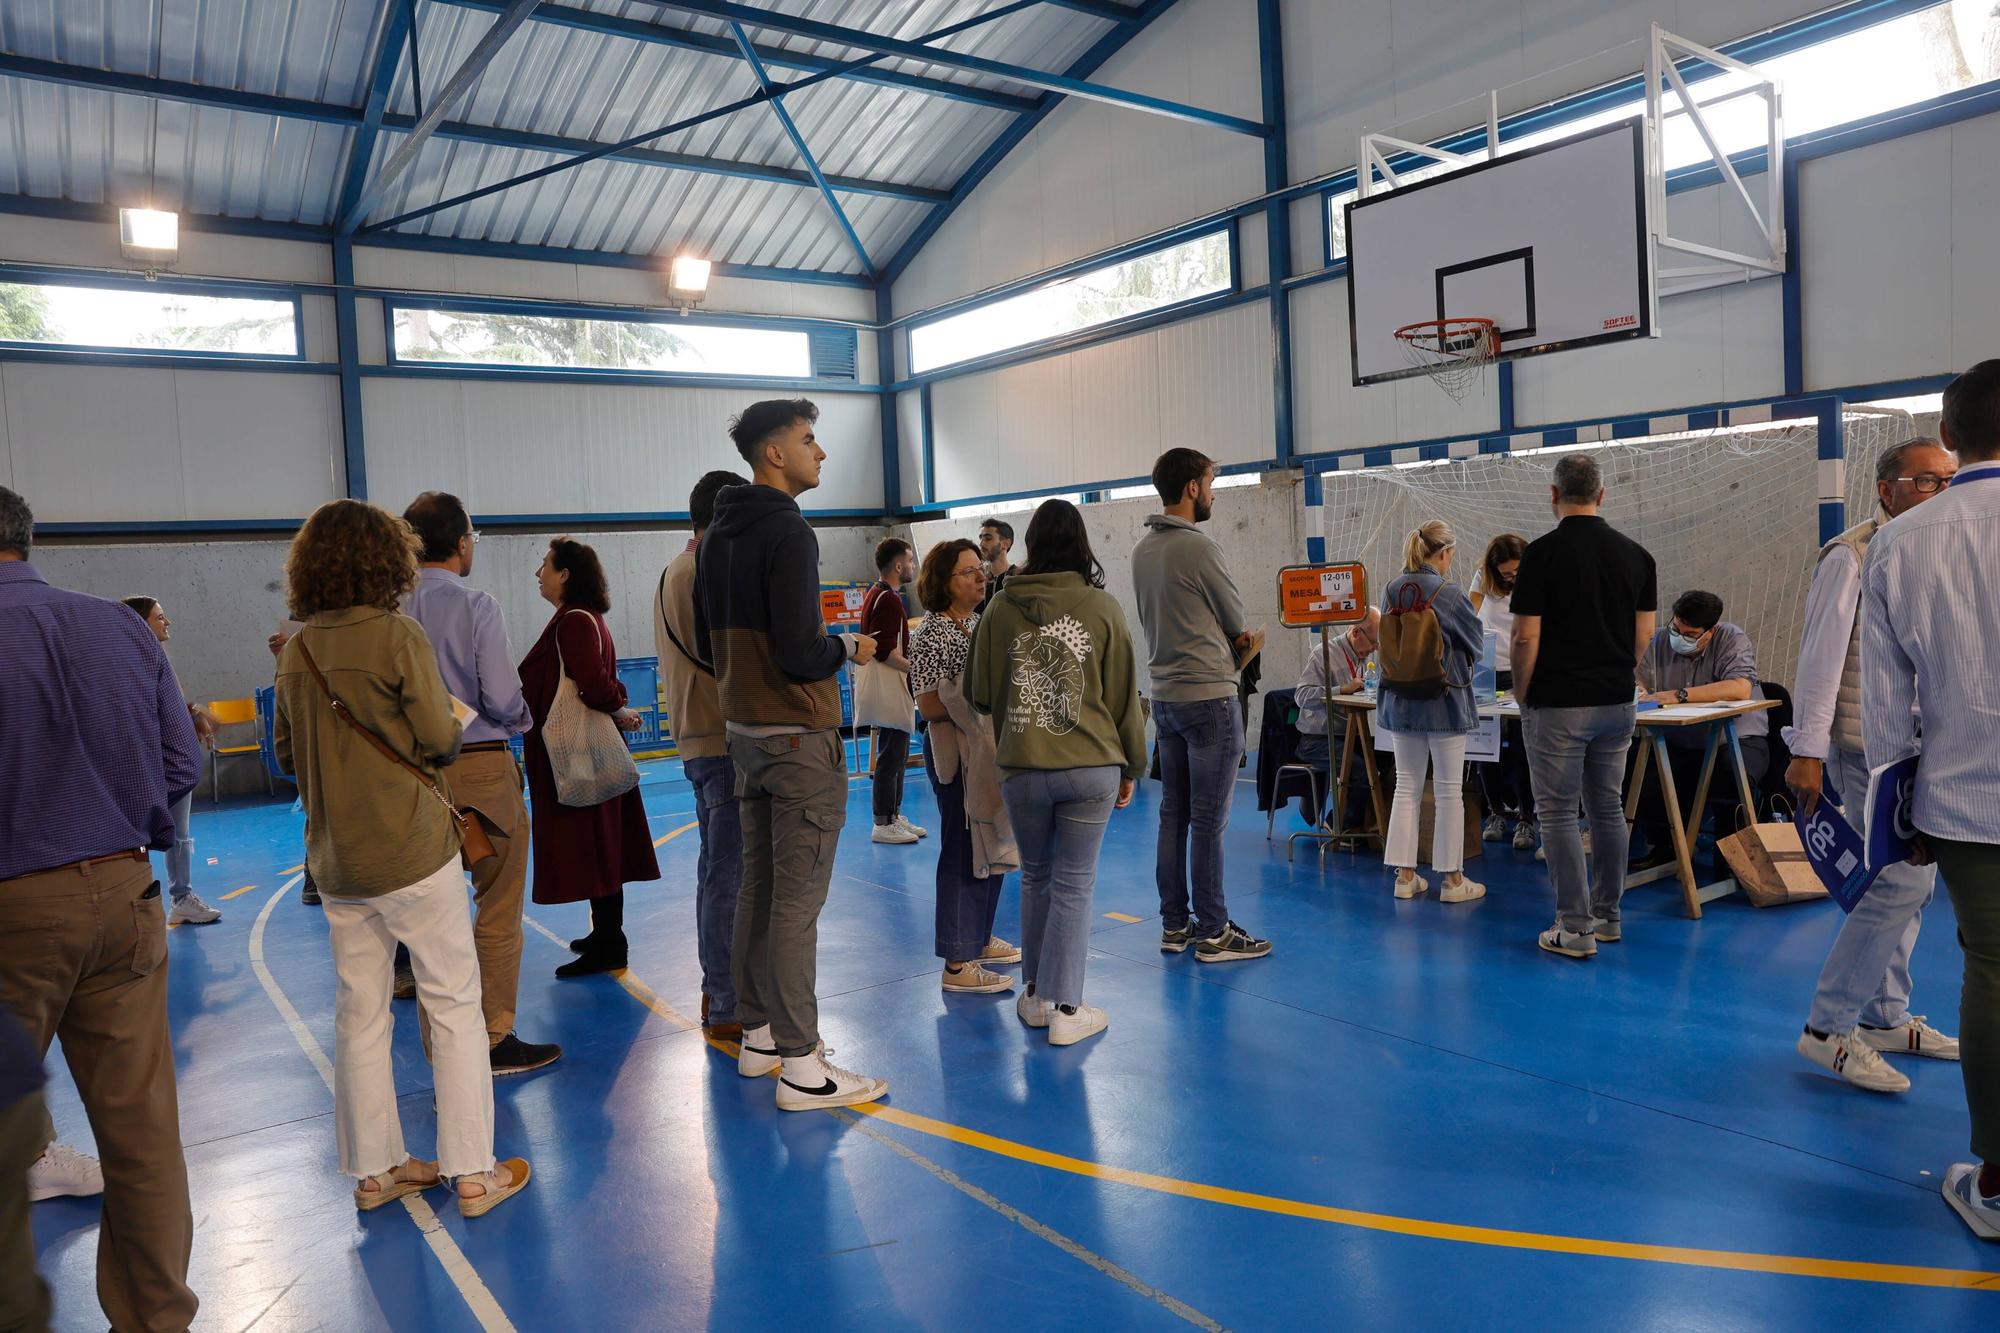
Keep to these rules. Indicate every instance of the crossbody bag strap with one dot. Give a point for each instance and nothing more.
(674, 638)
(340, 710)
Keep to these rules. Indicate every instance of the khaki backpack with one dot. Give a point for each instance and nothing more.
(1412, 649)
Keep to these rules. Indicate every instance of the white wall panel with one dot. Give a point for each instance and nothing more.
(322, 334)
(1879, 270)
(910, 445)
(540, 448)
(1107, 411)
(257, 446)
(117, 444)
(1330, 412)
(29, 240)
(1975, 204)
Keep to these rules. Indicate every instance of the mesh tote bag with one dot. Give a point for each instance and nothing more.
(587, 752)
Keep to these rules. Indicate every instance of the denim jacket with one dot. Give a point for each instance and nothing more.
(1464, 640)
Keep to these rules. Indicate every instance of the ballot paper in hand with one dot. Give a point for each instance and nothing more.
(463, 711)
(1836, 852)
(1892, 830)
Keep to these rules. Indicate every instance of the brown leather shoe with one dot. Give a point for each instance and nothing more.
(726, 1031)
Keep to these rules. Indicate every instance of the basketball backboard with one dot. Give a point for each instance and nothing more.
(1550, 243)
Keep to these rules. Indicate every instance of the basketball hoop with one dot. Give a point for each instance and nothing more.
(1453, 352)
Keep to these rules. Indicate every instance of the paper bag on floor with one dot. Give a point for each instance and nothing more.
(1474, 817)
(1770, 865)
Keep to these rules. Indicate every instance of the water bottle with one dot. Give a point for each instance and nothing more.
(1371, 675)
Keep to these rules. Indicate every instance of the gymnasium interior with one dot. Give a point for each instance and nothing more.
(1382, 262)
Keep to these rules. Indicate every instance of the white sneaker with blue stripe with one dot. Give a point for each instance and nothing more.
(1980, 1211)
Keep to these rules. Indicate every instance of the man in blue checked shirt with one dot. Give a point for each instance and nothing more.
(98, 745)
(466, 628)
(1930, 632)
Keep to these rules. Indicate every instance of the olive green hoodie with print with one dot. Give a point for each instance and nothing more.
(1052, 661)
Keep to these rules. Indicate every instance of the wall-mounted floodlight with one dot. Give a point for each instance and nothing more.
(149, 236)
(687, 281)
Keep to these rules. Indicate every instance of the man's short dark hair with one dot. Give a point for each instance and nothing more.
(760, 421)
(17, 524)
(1175, 469)
(440, 522)
(1578, 479)
(701, 500)
(888, 551)
(1001, 527)
(1892, 462)
(1972, 412)
(1701, 610)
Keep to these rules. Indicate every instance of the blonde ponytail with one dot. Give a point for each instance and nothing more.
(1425, 543)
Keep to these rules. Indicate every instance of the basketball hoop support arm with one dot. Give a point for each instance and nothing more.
(1726, 266)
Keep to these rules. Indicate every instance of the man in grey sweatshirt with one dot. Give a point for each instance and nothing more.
(1193, 618)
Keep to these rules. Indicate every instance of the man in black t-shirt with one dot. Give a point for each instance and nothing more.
(1584, 604)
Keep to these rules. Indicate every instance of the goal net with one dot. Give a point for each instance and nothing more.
(1734, 511)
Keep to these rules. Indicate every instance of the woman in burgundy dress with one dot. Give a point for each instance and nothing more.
(588, 852)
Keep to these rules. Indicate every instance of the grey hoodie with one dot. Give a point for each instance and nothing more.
(1191, 611)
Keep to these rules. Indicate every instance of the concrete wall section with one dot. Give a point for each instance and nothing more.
(1260, 531)
(1901, 278)
(539, 448)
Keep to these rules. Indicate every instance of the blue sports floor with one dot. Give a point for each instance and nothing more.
(1406, 1117)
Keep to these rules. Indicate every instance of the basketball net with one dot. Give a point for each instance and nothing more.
(1454, 353)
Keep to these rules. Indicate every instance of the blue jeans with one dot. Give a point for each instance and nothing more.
(180, 858)
(892, 761)
(966, 902)
(1577, 755)
(1867, 974)
(1059, 817)
(1200, 746)
(717, 876)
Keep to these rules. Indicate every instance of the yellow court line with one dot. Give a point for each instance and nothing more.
(666, 838)
(1120, 916)
(236, 893)
(1742, 1261)
(293, 870)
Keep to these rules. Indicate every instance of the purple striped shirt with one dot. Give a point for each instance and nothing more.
(95, 739)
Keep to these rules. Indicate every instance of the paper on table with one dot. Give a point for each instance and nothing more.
(463, 711)
(1695, 712)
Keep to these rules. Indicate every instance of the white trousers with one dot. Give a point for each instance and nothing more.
(1444, 753)
(429, 917)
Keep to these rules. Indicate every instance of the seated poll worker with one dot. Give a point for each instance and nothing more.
(1349, 654)
(1699, 658)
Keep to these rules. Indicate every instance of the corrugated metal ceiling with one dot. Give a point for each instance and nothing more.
(93, 145)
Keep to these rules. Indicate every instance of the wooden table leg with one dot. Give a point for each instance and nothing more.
(1344, 779)
(1671, 799)
(1742, 774)
(1638, 777)
(1374, 776)
(1699, 807)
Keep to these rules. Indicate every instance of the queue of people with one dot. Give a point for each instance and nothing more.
(397, 696)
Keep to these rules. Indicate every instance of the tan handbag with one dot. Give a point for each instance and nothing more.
(1770, 863)
(474, 845)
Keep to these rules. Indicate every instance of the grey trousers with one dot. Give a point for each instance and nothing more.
(792, 791)
(1059, 817)
(1577, 755)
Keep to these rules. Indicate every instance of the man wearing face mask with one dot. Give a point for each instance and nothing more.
(1862, 1003)
(1699, 658)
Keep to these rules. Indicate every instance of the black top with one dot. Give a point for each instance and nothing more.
(1588, 582)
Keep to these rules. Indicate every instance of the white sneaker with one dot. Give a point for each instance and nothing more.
(1069, 1029)
(61, 1170)
(192, 911)
(1495, 829)
(1567, 943)
(894, 834)
(1524, 837)
(1464, 891)
(759, 1053)
(813, 1083)
(1854, 1060)
(1914, 1037)
(908, 827)
(1606, 932)
(1411, 884)
(972, 979)
(1033, 1010)
(1981, 1212)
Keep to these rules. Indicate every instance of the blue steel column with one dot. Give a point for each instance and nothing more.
(885, 375)
(348, 345)
(1832, 448)
(1277, 224)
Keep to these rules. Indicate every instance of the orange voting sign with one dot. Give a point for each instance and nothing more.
(1314, 595)
(841, 606)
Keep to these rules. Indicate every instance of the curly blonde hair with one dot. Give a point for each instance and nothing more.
(350, 553)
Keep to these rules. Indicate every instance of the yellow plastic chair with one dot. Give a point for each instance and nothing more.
(233, 713)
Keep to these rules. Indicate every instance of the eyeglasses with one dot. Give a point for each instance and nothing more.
(474, 534)
(968, 574)
(1927, 483)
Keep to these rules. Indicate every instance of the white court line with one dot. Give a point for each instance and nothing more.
(456, 1266)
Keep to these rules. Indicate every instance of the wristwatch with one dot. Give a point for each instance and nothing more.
(1681, 694)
